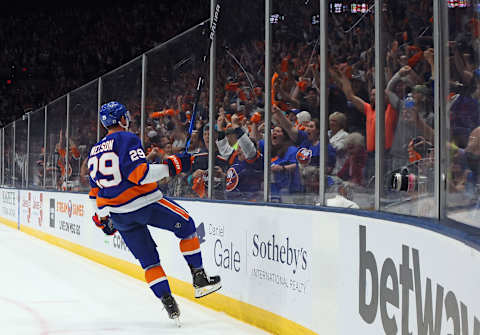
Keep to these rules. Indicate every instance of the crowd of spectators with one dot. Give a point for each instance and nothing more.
(295, 134)
(53, 48)
(296, 97)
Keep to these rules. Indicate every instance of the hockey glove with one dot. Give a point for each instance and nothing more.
(178, 163)
(106, 225)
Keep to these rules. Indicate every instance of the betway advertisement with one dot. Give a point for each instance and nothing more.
(262, 260)
(9, 204)
(408, 280)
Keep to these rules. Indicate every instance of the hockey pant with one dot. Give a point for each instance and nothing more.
(165, 214)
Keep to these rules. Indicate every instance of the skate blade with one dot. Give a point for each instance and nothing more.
(177, 321)
(203, 291)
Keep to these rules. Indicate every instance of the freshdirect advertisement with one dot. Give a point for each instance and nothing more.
(69, 216)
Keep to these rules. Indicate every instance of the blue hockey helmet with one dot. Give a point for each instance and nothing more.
(111, 114)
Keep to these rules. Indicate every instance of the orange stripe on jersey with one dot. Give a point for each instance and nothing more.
(179, 210)
(93, 192)
(127, 195)
(154, 273)
(190, 244)
(138, 173)
(252, 160)
(232, 157)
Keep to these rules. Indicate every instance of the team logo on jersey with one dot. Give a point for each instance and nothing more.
(304, 156)
(231, 179)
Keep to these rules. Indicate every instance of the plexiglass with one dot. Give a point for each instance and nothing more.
(239, 102)
(351, 104)
(36, 156)
(295, 132)
(409, 116)
(56, 173)
(172, 74)
(463, 131)
(82, 134)
(125, 86)
(8, 152)
(21, 159)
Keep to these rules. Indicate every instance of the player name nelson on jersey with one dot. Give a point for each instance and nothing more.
(105, 146)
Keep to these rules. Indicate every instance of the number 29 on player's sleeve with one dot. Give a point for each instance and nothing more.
(100, 165)
(136, 154)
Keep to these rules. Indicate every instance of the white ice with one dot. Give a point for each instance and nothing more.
(46, 290)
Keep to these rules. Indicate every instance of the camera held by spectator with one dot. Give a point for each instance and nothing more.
(404, 180)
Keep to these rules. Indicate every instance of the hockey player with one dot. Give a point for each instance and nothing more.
(126, 199)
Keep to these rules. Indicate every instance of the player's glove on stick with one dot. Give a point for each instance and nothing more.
(179, 163)
(106, 225)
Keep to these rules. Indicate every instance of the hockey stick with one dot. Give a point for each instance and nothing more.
(227, 50)
(203, 73)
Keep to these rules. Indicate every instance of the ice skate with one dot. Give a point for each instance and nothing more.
(172, 308)
(204, 284)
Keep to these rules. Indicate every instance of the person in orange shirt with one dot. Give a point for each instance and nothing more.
(369, 110)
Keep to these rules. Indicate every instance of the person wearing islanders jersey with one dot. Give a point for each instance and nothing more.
(308, 157)
(284, 168)
(308, 146)
(126, 199)
(244, 177)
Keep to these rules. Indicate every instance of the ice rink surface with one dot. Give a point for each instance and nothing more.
(46, 290)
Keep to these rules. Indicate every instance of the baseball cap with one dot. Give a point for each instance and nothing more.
(304, 116)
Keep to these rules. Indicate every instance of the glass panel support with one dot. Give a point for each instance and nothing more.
(379, 102)
(3, 156)
(45, 147)
(142, 98)
(13, 153)
(268, 101)
(211, 105)
(99, 104)
(27, 164)
(440, 33)
(67, 144)
(323, 97)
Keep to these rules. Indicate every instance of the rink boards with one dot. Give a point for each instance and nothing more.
(288, 270)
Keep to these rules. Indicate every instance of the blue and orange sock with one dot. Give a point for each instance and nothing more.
(157, 280)
(190, 248)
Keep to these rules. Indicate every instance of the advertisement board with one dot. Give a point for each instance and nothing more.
(9, 204)
(327, 272)
(407, 280)
(71, 216)
(262, 260)
(33, 209)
